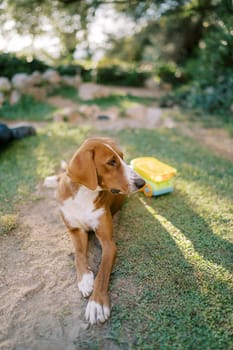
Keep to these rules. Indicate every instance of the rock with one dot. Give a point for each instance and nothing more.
(35, 78)
(89, 91)
(67, 80)
(5, 84)
(14, 97)
(150, 83)
(39, 93)
(52, 76)
(169, 123)
(137, 112)
(108, 114)
(73, 81)
(77, 81)
(20, 81)
(153, 115)
(89, 111)
(2, 98)
(67, 114)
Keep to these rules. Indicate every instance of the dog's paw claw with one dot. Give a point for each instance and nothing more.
(96, 312)
(86, 284)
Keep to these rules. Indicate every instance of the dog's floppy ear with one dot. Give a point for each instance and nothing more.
(81, 169)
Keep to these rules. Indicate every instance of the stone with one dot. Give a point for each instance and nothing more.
(89, 111)
(2, 99)
(14, 97)
(153, 115)
(39, 93)
(67, 114)
(150, 83)
(137, 112)
(52, 76)
(89, 91)
(20, 81)
(109, 114)
(35, 78)
(77, 80)
(5, 84)
(68, 80)
(169, 123)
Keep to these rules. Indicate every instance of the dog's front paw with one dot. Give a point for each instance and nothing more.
(97, 312)
(86, 284)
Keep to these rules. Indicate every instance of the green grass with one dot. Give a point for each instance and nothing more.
(24, 163)
(172, 282)
(26, 109)
(171, 286)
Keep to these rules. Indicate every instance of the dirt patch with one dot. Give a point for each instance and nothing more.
(218, 140)
(136, 91)
(41, 307)
(61, 102)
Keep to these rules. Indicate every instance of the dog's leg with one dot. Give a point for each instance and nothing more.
(84, 274)
(98, 308)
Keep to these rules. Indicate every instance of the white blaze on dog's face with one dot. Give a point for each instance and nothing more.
(99, 162)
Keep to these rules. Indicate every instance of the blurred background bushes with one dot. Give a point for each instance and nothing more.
(185, 43)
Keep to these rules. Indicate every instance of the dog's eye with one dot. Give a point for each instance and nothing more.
(112, 162)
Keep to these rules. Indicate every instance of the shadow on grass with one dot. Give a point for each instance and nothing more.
(205, 241)
(176, 298)
(166, 294)
(171, 285)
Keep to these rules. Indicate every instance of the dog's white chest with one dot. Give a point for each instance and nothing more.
(80, 211)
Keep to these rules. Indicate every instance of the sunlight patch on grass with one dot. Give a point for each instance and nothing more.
(191, 255)
(45, 165)
(207, 204)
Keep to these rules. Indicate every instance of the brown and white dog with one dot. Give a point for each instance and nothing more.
(89, 193)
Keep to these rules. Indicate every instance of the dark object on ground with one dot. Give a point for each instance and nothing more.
(103, 117)
(8, 134)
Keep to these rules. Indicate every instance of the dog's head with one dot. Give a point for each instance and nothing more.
(99, 163)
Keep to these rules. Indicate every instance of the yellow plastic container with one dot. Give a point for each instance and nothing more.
(159, 176)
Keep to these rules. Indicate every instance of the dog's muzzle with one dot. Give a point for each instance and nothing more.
(139, 183)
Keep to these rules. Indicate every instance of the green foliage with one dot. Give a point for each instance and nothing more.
(171, 73)
(69, 70)
(73, 69)
(120, 74)
(26, 109)
(11, 64)
(210, 72)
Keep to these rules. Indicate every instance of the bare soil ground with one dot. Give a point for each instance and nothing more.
(41, 307)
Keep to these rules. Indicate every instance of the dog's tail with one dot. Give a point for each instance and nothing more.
(52, 181)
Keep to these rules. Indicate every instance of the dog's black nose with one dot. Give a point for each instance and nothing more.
(139, 182)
